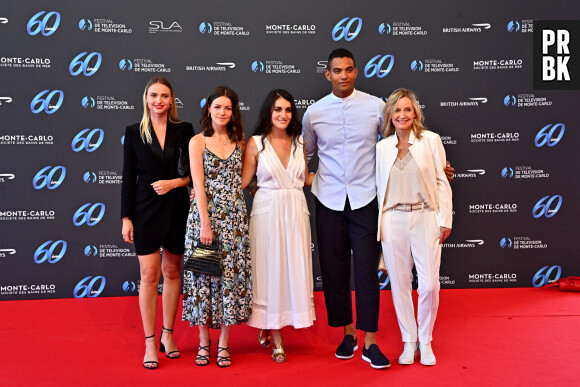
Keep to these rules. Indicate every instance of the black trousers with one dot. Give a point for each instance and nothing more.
(338, 232)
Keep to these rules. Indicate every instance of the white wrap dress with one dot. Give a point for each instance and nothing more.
(280, 243)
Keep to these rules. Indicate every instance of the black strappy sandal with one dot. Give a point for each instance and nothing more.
(222, 359)
(152, 362)
(203, 358)
(162, 347)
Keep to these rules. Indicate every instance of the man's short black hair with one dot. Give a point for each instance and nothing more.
(340, 53)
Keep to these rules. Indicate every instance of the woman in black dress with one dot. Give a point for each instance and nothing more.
(154, 206)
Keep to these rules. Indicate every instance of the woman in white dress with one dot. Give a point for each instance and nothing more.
(280, 239)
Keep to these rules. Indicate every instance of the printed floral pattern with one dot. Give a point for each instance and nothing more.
(227, 299)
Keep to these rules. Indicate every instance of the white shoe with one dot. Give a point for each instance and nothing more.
(409, 354)
(427, 355)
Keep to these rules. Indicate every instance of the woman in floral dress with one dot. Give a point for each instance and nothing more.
(218, 211)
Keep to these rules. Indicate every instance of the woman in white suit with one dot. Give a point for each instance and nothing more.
(414, 218)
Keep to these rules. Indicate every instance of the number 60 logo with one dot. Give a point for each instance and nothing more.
(40, 103)
(83, 216)
(547, 206)
(542, 277)
(84, 289)
(36, 25)
(547, 135)
(82, 64)
(339, 31)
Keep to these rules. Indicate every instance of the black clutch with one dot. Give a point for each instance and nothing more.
(183, 164)
(205, 259)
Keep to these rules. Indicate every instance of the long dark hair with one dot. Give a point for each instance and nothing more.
(264, 125)
(235, 128)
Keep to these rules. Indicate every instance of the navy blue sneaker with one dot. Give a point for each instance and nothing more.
(374, 356)
(346, 349)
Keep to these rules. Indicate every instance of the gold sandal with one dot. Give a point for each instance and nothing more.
(264, 338)
(278, 354)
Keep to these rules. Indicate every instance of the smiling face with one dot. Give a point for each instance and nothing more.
(159, 99)
(281, 114)
(220, 111)
(342, 74)
(403, 114)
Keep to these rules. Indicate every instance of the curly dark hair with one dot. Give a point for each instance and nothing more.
(264, 125)
(235, 129)
(340, 53)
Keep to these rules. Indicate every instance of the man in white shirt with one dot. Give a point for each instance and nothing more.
(343, 128)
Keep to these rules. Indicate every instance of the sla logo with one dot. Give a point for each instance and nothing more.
(3, 20)
(506, 242)
(542, 277)
(40, 102)
(178, 103)
(510, 100)
(91, 250)
(88, 102)
(507, 172)
(546, 135)
(375, 66)
(50, 251)
(344, 29)
(84, 289)
(205, 28)
(83, 216)
(85, 25)
(82, 141)
(202, 102)
(155, 26)
(547, 206)
(46, 177)
(417, 65)
(129, 286)
(90, 177)
(46, 25)
(125, 64)
(513, 26)
(385, 29)
(82, 64)
(5, 100)
(257, 66)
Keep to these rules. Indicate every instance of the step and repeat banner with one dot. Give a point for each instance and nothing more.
(73, 75)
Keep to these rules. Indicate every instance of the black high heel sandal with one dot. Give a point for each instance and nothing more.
(162, 347)
(223, 359)
(152, 362)
(203, 358)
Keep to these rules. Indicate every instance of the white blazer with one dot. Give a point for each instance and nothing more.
(429, 154)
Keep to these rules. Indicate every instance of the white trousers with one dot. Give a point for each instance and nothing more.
(407, 238)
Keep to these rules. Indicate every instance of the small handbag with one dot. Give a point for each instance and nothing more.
(569, 284)
(205, 259)
(182, 164)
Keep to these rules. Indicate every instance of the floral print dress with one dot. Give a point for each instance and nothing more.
(209, 300)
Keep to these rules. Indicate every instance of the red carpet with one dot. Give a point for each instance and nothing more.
(483, 337)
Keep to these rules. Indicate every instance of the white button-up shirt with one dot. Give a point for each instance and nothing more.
(344, 131)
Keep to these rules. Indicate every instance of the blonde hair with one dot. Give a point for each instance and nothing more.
(391, 105)
(146, 119)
